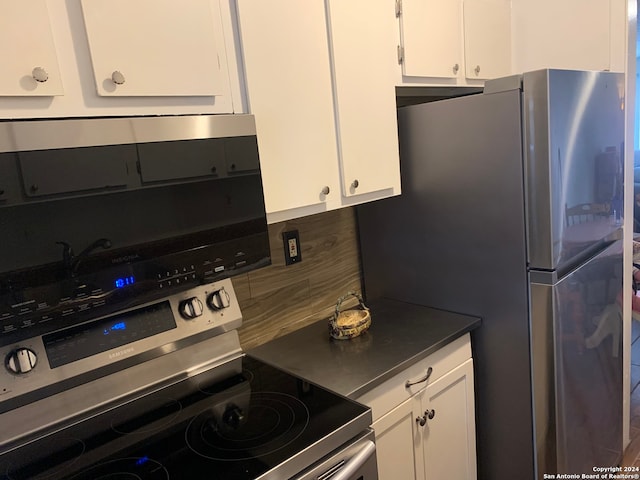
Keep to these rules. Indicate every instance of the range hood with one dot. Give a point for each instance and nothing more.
(43, 160)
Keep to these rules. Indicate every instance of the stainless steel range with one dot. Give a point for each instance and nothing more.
(187, 408)
(118, 318)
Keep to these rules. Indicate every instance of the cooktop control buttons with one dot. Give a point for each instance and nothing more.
(191, 308)
(218, 299)
(21, 360)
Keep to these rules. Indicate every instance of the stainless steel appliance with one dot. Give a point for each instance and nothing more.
(118, 317)
(163, 391)
(511, 207)
(99, 215)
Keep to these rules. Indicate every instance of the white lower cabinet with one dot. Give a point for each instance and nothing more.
(398, 442)
(430, 432)
(449, 434)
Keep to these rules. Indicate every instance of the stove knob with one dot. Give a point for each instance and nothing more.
(191, 308)
(21, 360)
(218, 300)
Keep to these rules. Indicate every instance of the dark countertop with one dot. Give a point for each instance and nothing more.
(400, 335)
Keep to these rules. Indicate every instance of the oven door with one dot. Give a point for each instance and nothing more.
(354, 461)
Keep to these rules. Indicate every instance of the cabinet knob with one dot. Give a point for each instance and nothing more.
(39, 74)
(477, 70)
(325, 190)
(428, 415)
(117, 77)
(456, 67)
(355, 184)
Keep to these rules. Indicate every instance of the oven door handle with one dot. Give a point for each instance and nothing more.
(352, 465)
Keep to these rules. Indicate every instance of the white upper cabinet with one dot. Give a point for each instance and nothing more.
(571, 34)
(119, 57)
(139, 49)
(28, 55)
(432, 38)
(320, 81)
(289, 90)
(365, 100)
(487, 38)
(454, 42)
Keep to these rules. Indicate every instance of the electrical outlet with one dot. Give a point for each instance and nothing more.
(291, 241)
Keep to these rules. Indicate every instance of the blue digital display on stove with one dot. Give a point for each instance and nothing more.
(84, 340)
(124, 281)
(115, 327)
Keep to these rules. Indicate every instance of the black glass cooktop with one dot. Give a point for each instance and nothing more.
(240, 428)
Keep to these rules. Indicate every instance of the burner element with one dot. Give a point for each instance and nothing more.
(273, 421)
(125, 469)
(131, 422)
(65, 452)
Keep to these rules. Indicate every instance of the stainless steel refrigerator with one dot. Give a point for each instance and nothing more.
(511, 210)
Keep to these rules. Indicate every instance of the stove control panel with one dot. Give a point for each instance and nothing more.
(132, 336)
(38, 301)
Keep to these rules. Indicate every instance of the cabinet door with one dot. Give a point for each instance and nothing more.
(363, 48)
(28, 56)
(432, 38)
(154, 47)
(398, 448)
(288, 80)
(487, 38)
(550, 34)
(449, 437)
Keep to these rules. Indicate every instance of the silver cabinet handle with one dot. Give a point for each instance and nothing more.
(430, 413)
(325, 190)
(117, 77)
(409, 383)
(39, 74)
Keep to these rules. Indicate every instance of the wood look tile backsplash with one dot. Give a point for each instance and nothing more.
(278, 299)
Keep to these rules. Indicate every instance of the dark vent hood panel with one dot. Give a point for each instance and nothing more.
(51, 172)
(43, 160)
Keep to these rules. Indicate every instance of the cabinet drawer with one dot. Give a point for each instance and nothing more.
(393, 392)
